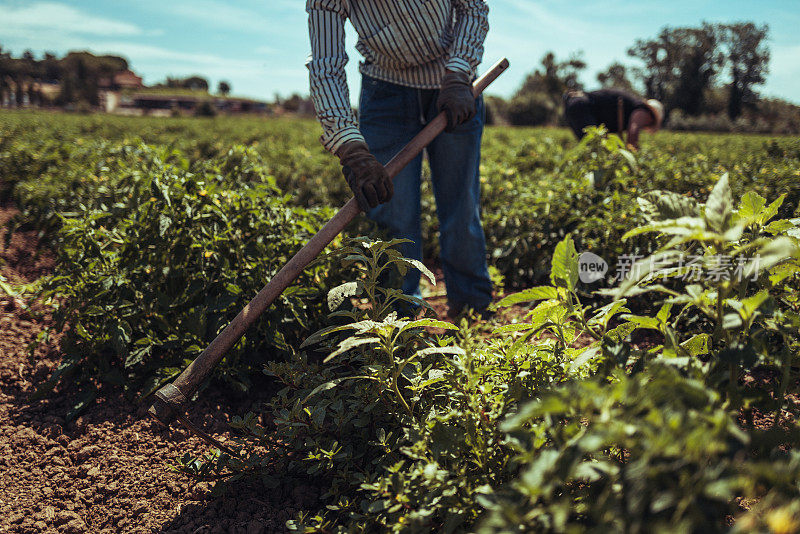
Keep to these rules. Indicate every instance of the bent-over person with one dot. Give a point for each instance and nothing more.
(618, 110)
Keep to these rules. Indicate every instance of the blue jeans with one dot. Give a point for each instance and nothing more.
(390, 116)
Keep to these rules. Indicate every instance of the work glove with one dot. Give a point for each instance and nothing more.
(365, 176)
(456, 99)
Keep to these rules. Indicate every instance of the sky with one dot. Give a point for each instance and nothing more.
(260, 46)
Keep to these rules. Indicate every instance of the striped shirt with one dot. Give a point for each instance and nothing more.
(406, 42)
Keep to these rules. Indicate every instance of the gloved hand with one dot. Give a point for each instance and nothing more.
(365, 176)
(456, 99)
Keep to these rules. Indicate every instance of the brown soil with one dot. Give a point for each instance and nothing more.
(108, 470)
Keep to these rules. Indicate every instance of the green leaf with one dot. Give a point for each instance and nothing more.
(428, 323)
(778, 227)
(664, 313)
(45, 388)
(751, 304)
(751, 207)
(338, 294)
(607, 312)
(377, 506)
(351, 343)
(646, 270)
(85, 400)
(136, 357)
(629, 157)
(564, 269)
(439, 350)
(421, 268)
(769, 255)
(772, 210)
(642, 321)
(622, 331)
(164, 223)
(719, 205)
(697, 345)
(781, 272)
(121, 337)
(665, 205)
(518, 327)
(81, 331)
(731, 321)
(683, 226)
(585, 357)
(325, 387)
(529, 295)
(317, 336)
(544, 311)
(434, 377)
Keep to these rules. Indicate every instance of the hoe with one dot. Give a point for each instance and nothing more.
(170, 402)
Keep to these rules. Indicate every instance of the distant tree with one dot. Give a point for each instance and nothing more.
(496, 110)
(196, 83)
(747, 57)
(296, 104)
(699, 61)
(81, 74)
(539, 98)
(532, 109)
(679, 65)
(616, 77)
(555, 76)
(78, 73)
(50, 69)
(5, 70)
(224, 88)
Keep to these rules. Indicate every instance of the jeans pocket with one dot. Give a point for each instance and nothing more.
(379, 97)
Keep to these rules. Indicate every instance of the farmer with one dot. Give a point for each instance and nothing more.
(617, 110)
(420, 57)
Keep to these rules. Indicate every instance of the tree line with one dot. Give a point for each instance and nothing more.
(707, 77)
(78, 75)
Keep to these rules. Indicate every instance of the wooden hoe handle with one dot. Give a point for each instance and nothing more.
(172, 398)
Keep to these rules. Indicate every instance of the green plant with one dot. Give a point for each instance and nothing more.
(650, 452)
(399, 425)
(153, 265)
(655, 410)
(739, 271)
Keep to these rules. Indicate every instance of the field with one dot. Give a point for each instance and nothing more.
(660, 398)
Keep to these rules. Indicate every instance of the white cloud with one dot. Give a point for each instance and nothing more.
(55, 17)
(284, 15)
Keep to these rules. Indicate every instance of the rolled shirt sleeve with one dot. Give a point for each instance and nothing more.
(328, 81)
(469, 33)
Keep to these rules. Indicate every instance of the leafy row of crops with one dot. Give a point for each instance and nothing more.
(557, 423)
(662, 405)
(537, 187)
